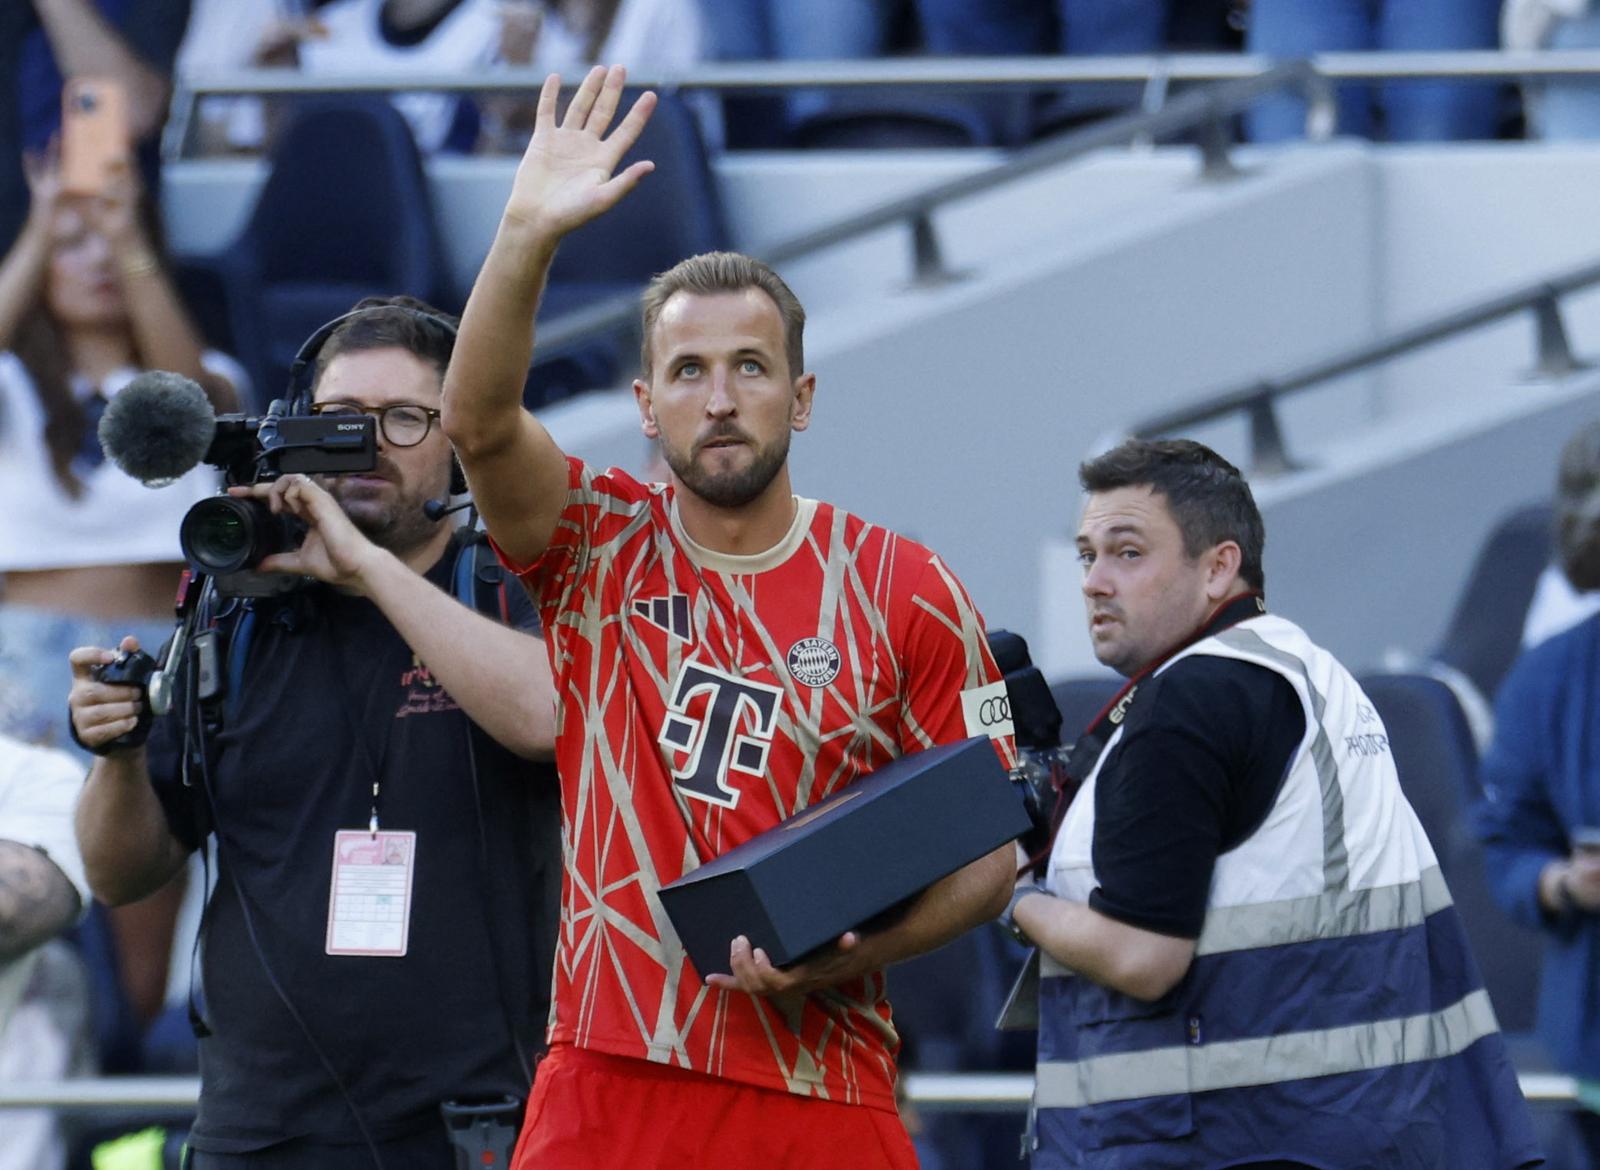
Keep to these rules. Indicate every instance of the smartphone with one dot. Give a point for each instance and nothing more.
(94, 134)
(1586, 840)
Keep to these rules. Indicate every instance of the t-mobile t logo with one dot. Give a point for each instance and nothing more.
(734, 730)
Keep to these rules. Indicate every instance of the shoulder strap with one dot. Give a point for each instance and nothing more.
(238, 650)
(478, 580)
(1087, 749)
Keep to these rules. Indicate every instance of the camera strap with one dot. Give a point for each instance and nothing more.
(238, 650)
(1089, 746)
(1021, 1009)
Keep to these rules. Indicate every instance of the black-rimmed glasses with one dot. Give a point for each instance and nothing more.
(403, 424)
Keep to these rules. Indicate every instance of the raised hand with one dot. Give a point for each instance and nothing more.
(42, 169)
(566, 175)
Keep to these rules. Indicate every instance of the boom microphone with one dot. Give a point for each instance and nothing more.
(437, 510)
(158, 427)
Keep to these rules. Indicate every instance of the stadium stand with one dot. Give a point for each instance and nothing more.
(1080, 699)
(345, 213)
(1485, 630)
(1437, 760)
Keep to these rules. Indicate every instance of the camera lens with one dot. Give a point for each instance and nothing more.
(224, 535)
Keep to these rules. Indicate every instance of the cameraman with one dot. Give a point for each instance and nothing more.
(335, 1037)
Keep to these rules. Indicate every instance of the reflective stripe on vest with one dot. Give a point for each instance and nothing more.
(1266, 1060)
(1335, 914)
(1336, 856)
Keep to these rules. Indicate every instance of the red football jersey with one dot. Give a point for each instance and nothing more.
(703, 698)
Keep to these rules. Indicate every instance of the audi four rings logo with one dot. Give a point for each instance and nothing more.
(994, 711)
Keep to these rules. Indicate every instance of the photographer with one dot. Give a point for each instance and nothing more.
(1249, 958)
(344, 758)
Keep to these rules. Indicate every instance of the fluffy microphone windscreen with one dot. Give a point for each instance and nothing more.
(158, 427)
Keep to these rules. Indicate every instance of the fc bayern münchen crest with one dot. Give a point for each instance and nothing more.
(814, 661)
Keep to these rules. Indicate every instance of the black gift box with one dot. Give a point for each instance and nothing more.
(865, 849)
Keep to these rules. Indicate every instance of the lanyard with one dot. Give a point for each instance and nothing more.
(358, 727)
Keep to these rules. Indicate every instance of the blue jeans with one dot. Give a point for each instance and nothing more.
(787, 30)
(1073, 27)
(1567, 109)
(1412, 111)
(782, 30)
(35, 675)
(1070, 27)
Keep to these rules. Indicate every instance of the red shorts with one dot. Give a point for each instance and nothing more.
(593, 1111)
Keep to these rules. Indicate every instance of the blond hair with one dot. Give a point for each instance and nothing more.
(711, 273)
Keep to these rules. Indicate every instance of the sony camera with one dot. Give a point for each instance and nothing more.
(1041, 772)
(226, 536)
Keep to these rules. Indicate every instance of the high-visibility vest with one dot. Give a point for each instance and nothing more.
(1332, 1015)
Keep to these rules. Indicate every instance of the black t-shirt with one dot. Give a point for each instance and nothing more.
(332, 697)
(1202, 756)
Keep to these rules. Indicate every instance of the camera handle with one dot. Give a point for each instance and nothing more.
(195, 589)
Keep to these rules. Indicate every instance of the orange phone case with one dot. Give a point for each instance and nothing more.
(94, 134)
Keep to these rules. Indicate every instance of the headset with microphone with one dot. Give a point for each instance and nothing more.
(302, 378)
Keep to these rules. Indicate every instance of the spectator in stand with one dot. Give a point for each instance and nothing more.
(385, 38)
(44, 41)
(1540, 817)
(1070, 27)
(771, 30)
(42, 891)
(850, 29)
(1556, 606)
(1563, 107)
(1401, 111)
(569, 36)
(85, 551)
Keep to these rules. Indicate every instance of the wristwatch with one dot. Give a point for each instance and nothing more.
(1008, 919)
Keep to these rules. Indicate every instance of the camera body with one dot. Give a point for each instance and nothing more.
(227, 537)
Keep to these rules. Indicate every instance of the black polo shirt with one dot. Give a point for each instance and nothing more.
(332, 699)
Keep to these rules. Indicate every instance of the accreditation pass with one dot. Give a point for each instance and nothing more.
(369, 902)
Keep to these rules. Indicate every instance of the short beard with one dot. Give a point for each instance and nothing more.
(729, 489)
(398, 528)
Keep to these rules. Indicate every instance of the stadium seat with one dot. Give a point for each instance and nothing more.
(1433, 748)
(1485, 631)
(345, 213)
(678, 214)
(1438, 766)
(945, 1004)
(1081, 699)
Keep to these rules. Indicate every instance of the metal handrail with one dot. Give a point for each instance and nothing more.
(932, 1092)
(941, 72)
(1259, 399)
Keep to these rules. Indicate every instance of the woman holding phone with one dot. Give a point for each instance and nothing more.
(86, 553)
